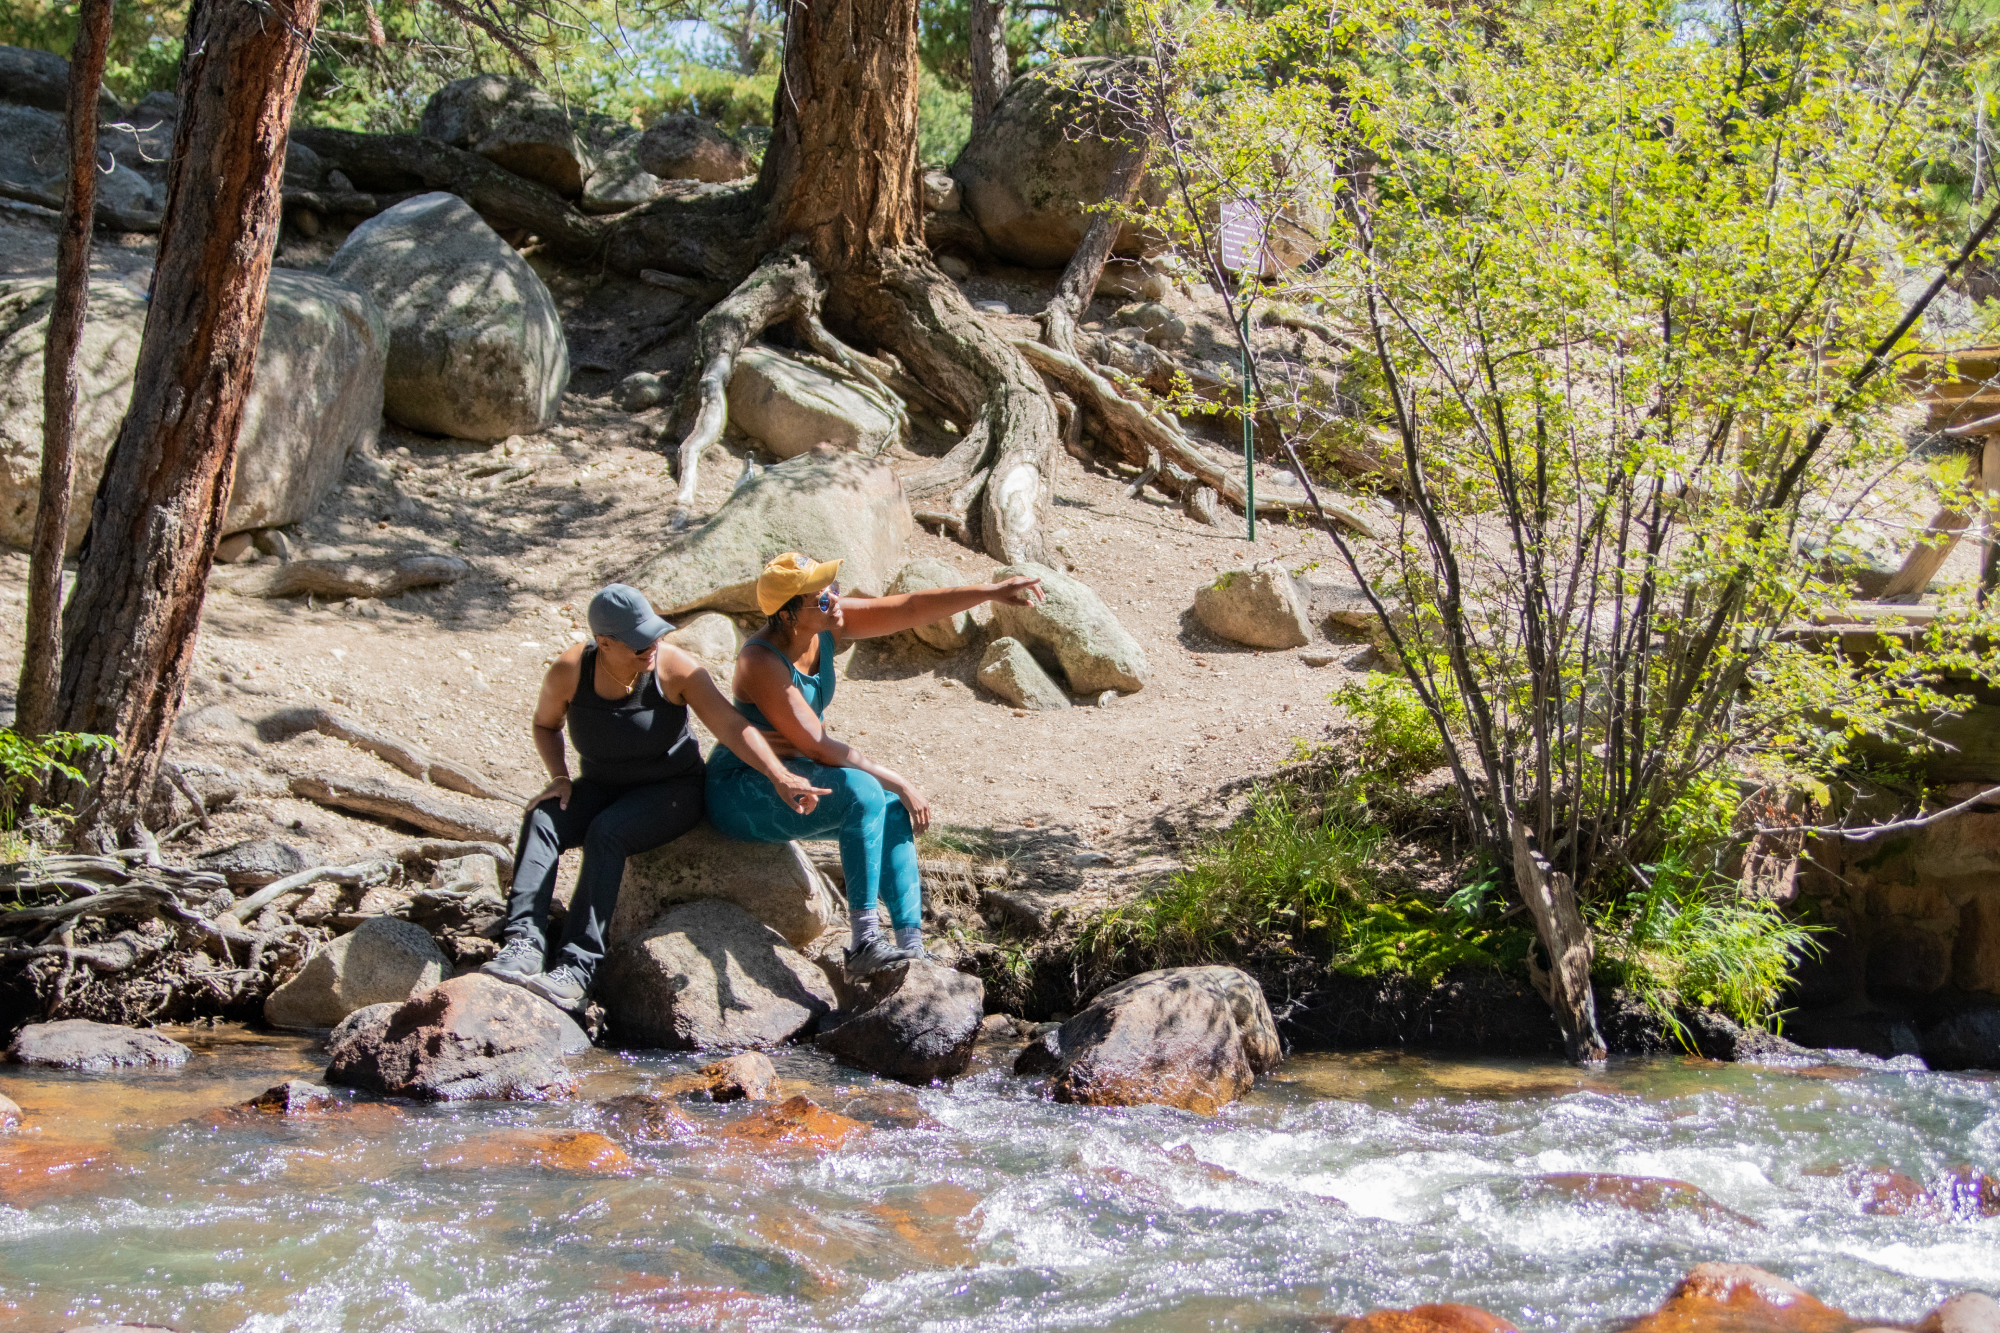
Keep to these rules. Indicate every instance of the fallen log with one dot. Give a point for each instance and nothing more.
(337, 580)
(413, 806)
(288, 722)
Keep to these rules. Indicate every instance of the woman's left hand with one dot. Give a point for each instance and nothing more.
(914, 802)
(1021, 590)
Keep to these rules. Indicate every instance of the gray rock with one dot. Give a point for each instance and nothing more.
(41, 79)
(34, 158)
(739, 1078)
(1146, 315)
(1128, 278)
(616, 183)
(470, 1037)
(381, 961)
(773, 882)
(711, 976)
(1967, 1039)
(941, 193)
(955, 632)
(253, 863)
(1031, 174)
(789, 404)
(294, 1096)
(514, 125)
(475, 874)
(1010, 671)
(641, 390)
(954, 268)
(1073, 624)
(476, 349)
(77, 1043)
(993, 307)
(916, 1023)
(316, 398)
(1259, 606)
(827, 503)
(1191, 1037)
(688, 148)
(709, 637)
(1967, 1312)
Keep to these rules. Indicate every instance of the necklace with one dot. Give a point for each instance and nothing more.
(624, 686)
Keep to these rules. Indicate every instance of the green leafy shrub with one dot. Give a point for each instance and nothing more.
(26, 762)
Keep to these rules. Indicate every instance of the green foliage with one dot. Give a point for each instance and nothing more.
(145, 50)
(944, 120)
(29, 761)
(1394, 730)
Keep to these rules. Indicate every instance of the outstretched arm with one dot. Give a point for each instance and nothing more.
(873, 617)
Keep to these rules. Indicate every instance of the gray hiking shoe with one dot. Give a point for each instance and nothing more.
(518, 959)
(878, 954)
(565, 985)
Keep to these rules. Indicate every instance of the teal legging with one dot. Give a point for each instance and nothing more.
(878, 853)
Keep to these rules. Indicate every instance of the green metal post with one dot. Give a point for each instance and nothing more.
(1249, 442)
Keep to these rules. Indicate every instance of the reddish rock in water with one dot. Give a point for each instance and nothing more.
(1968, 1312)
(472, 1037)
(1969, 1192)
(10, 1114)
(1736, 1298)
(646, 1119)
(798, 1122)
(933, 1224)
(1639, 1194)
(1192, 1037)
(576, 1152)
(738, 1078)
(295, 1096)
(1885, 1192)
(34, 1167)
(1428, 1319)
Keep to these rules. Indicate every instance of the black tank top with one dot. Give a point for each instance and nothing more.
(626, 742)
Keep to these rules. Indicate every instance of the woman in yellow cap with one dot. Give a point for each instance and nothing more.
(784, 682)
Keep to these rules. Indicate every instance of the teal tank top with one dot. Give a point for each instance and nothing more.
(816, 688)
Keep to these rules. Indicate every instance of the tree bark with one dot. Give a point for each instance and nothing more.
(991, 69)
(130, 627)
(41, 658)
(1079, 280)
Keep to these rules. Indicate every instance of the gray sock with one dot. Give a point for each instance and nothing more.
(909, 937)
(862, 925)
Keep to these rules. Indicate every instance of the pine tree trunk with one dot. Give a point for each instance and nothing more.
(129, 629)
(990, 66)
(41, 658)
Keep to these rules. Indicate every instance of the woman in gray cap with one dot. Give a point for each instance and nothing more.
(625, 698)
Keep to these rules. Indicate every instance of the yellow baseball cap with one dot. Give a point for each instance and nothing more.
(789, 575)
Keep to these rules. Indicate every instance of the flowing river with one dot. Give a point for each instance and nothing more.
(1342, 1183)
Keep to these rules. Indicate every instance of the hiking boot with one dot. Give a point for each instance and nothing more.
(565, 985)
(518, 959)
(877, 954)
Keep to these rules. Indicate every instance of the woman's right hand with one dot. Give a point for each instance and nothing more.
(559, 788)
(798, 794)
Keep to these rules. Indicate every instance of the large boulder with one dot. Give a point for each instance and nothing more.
(711, 976)
(1031, 174)
(916, 1023)
(78, 1043)
(789, 404)
(316, 398)
(826, 503)
(773, 882)
(1073, 625)
(34, 159)
(954, 632)
(472, 1037)
(688, 148)
(708, 637)
(512, 124)
(1259, 606)
(1011, 672)
(476, 349)
(381, 961)
(616, 182)
(41, 79)
(1191, 1037)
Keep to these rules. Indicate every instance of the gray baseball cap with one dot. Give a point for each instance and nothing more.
(622, 612)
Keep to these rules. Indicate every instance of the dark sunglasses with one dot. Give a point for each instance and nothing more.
(828, 595)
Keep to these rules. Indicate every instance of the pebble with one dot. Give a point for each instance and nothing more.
(1083, 859)
(1108, 698)
(1317, 659)
(992, 307)
(1020, 712)
(955, 268)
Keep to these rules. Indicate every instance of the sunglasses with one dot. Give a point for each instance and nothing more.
(828, 595)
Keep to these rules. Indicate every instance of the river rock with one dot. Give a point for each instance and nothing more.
(1966, 1039)
(253, 863)
(1737, 1296)
(1073, 625)
(1428, 1319)
(1192, 1037)
(789, 404)
(1011, 672)
(955, 632)
(748, 1077)
(471, 1037)
(41, 79)
(1031, 174)
(316, 398)
(773, 882)
(915, 1023)
(711, 976)
(1259, 606)
(709, 637)
(827, 503)
(616, 182)
(381, 961)
(10, 1113)
(1967, 1312)
(688, 148)
(294, 1096)
(476, 349)
(78, 1043)
(512, 124)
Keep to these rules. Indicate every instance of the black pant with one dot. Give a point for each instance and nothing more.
(609, 823)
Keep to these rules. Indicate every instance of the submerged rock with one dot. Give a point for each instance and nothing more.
(1740, 1299)
(10, 1113)
(78, 1043)
(1259, 606)
(1426, 1319)
(476, 348)
(709, 976)
(1191, 1037)
(1651, 1195)
(575, 1152)
(914, 1023)
(381, 961)
(797, 1122)
(1073, 625)
(472, 1037)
